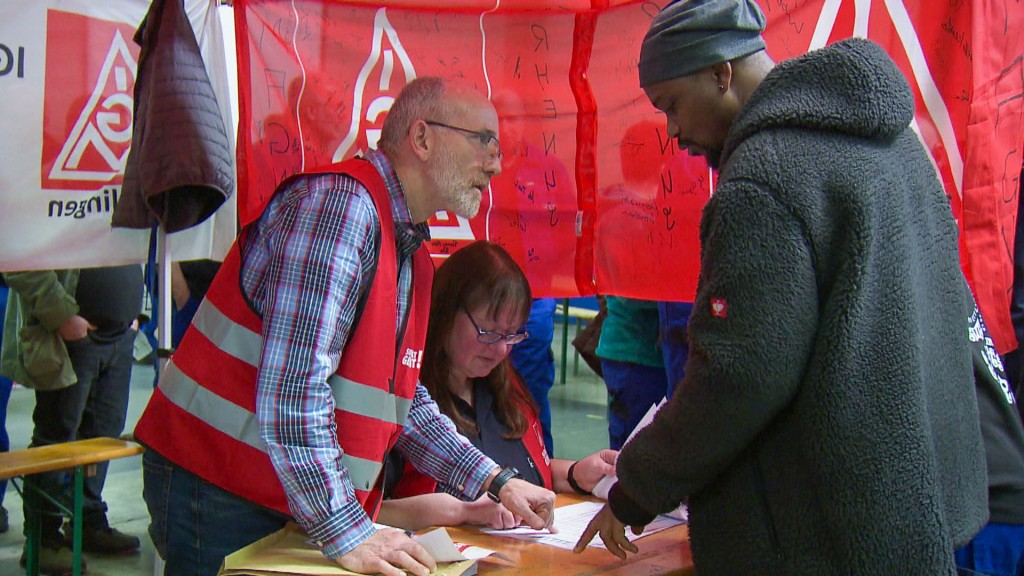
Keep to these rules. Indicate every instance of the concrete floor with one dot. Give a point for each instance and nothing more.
(579, 428)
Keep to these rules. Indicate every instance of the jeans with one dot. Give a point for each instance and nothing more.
(195, 524)
(535, 362)
(94, 407)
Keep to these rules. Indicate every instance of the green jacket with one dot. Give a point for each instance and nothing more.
(630, 332)
(33, 352)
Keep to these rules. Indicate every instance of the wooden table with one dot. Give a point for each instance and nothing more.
(666, 552)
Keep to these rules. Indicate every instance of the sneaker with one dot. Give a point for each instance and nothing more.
(5, 521)
(105, 540)
(53, 561)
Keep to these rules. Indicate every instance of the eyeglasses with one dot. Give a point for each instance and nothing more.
(492, 337)
(484, 138)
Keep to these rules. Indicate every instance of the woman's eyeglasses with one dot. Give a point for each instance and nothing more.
(492, 337)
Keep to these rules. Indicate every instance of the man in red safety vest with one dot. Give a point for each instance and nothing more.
(300, 370)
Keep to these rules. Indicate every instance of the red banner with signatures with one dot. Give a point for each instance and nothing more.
(593, 196)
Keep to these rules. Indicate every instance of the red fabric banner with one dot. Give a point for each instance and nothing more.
(594, 197)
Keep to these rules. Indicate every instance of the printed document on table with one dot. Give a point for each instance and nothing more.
(571, 521)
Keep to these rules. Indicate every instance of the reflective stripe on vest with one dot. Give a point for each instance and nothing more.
(241, 424)
(244, 344)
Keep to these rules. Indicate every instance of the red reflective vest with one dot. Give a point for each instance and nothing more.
(413, 482)
(202, 414)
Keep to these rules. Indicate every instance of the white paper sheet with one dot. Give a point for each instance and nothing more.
(571, 521)
(441, 548)
(605, 484)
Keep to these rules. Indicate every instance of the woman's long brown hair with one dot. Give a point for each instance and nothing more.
(480, 274)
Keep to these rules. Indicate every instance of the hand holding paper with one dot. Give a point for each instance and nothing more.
(388, 551)
(605, 484)
(588, 471)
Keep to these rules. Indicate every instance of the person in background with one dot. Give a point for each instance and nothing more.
(828, 422)
(632, 364)
(544, 199)
(69, 335)
(190, 280)
(1013, 360)
(998, 549)
(6, 385)
(673, 318)
(535, 362)
(300, 370)
(633, 345)
(478, 313)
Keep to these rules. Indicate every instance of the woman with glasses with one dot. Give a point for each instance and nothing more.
(479, 303)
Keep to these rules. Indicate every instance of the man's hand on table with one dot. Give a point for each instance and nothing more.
(388, 552)
(533, 504)
(612, 532)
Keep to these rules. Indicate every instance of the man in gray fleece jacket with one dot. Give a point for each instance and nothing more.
(828, 422)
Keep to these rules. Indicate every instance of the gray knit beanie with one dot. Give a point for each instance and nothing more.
(690, 35)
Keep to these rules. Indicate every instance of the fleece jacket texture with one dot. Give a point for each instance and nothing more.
(827, 423)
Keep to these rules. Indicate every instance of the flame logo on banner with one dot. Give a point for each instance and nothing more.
(97, 146)
(914, 52)
(443, 225)
(382, 103)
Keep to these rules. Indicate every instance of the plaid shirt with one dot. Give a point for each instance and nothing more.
(309, 259)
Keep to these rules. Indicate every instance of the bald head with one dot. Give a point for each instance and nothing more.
(426, 97)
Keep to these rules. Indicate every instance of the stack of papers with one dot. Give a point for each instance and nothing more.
(441, 548)
(288, 552)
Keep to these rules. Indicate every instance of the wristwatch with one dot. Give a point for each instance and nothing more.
(507, 473)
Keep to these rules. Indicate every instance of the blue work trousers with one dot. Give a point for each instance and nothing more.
(632, 390)
(535, 362)
(997, 550)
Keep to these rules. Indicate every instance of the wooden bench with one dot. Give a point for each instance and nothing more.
(68, 455)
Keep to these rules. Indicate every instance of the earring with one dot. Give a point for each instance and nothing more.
(720, 87)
